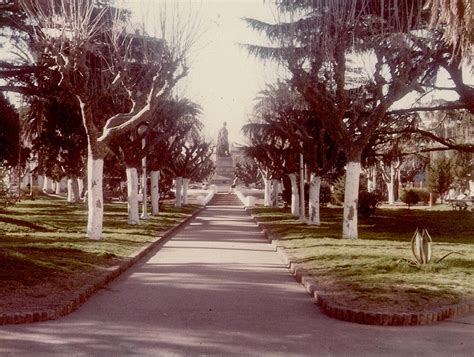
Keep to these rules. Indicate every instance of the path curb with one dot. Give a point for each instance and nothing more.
(332, 309)
(81, 296)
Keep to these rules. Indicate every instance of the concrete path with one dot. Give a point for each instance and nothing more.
(217, 288)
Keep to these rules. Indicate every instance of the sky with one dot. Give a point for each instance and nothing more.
(223, 78)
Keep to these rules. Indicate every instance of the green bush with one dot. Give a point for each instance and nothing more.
(423, 194)
(409, 197)
(325, 194)
(368, 202)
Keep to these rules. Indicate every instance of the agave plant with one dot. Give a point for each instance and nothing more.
(421, 247)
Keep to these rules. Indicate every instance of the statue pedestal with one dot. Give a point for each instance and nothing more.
(224, 174)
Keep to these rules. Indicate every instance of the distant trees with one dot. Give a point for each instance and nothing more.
(247, 172)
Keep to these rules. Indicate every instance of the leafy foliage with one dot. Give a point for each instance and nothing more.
(409, 197)
(247, 172)
(368, 202)
(9, 133)
(440, 175)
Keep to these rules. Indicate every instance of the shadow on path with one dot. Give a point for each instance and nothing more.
(218, 288)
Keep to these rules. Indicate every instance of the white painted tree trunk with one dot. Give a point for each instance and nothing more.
(57, 188)
(267, 193)
(144, 187)
(132, 195)
(351, 196)
(40, 181)
(391, 186)
(295, 197)
(47, 184)
(185, 191)
(80, 183)
(155, 192)
(313, 206)
(179, 188)
(274, 193)
(372, 179)
(95, 197)
(72, 190)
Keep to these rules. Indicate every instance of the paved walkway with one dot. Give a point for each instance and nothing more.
(217, 288)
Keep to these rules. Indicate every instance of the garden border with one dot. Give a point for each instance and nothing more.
(80, 297)
(331, 309)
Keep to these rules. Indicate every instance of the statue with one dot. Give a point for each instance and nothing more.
(223, 142)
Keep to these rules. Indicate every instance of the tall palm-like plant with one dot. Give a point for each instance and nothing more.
(174, 128)
(455, 19)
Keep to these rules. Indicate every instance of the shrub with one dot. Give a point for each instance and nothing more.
(423, 194)
(368, 202)
(325, 195)
(409, 197)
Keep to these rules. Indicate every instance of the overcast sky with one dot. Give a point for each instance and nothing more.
(223, 78)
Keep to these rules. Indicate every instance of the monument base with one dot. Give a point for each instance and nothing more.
(224, 175)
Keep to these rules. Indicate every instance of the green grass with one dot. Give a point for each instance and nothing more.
(366, 273)
(44, 254)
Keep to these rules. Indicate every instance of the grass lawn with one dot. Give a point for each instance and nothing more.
(365, 273)
(45, 257)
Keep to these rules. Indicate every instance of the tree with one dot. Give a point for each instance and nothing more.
(454, 18)
(463, 164)
(175, 126)
(440, 175)
(53, 126)
(318, 46)
(9, 135)
(247, 172)
(89, 48)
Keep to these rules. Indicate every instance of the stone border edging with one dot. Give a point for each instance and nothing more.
(81, 296)
(331, 309)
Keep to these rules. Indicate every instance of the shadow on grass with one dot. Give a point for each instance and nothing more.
(23, 223)
(386, 224)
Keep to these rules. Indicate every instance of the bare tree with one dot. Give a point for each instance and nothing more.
(89, 46)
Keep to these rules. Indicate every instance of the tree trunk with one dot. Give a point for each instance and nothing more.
(314, 193)
(274, 193)
(95, 199)
(351, 196)
(155, 192)
(132, 195)
(144, 189)
(72, 190)
(267, 193)
(390, 191)
(47, 184)
(185, 191)
(179, 185)
(80, 183)
(391, 186)
(295, 198)
(396, 185)
(372, 179)
(57, 189)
